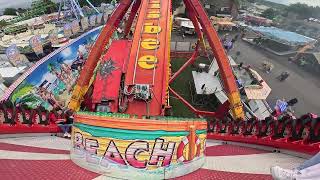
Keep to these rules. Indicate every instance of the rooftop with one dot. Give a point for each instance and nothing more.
(6, 17)
(282, 36)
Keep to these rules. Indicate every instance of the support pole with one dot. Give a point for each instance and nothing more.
(227, 76)
(197, 28)
(192, 142)
(183, 67)
(77, 6)
(73, 9)
(186, 103)
(132, 15)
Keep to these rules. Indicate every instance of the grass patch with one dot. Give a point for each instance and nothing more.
(181, 85)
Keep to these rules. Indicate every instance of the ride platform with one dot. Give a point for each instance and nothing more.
(48, 157)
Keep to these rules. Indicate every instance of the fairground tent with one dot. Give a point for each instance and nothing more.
(282, 36)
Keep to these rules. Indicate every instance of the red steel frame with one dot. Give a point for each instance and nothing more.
(132, 15)
(197, 13)
(94, 56)
(157, 77)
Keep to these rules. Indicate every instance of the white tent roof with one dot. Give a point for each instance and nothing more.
(188, 24)
(7, 72)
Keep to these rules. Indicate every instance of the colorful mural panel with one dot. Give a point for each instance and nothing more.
(50, 84)
(136, 153)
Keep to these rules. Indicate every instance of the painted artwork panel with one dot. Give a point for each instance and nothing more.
(50, 85)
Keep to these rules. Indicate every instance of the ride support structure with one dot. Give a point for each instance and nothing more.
(198, 15)
(97, 50)
(148, 63)
(140, 141)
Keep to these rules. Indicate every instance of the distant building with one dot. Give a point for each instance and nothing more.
(260, 8)
(6, 17)
(215, 7)
(257, 20)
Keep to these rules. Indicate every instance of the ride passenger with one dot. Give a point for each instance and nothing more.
(66, 124)
(310, 170)
(282, 106)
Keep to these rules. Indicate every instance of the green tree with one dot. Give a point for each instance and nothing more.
(269, 13)
(21, 10)
(251, 1)
(3, 23)
(176, 4)
(10, 11)
(302, 10)
(50, 6)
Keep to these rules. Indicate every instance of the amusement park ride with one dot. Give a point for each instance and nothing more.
(147, 70)
(121, 103)
(72, 7)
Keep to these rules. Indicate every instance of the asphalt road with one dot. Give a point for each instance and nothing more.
(303, 85)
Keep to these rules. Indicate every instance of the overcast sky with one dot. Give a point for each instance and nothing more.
(16, 3)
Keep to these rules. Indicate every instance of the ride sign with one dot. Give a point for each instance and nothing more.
(53, 37)
(36, 44)
(84, 23)
(99, 18)
(14, 56)
(92, 20)
(67, 30)
(75, 26)
(137, 153)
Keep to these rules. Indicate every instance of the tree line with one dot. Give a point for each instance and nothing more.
(303, 11)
